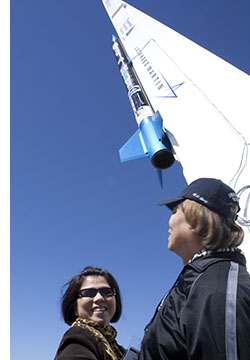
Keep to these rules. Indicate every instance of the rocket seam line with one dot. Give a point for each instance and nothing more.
(119, 8)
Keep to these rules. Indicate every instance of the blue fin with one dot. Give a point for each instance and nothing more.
(134, 148)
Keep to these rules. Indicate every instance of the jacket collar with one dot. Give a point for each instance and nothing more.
(206, 257)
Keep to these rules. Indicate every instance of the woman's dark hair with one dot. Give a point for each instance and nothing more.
(71, 294)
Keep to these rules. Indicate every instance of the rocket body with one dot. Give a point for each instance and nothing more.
(137, 98)
(149, 139)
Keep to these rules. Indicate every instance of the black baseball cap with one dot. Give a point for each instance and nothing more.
(212, 193)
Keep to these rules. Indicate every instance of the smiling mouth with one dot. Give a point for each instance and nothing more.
(99, 310)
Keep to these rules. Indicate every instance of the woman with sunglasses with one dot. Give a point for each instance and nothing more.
(91, 301)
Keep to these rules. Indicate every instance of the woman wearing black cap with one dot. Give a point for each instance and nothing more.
(206, 314)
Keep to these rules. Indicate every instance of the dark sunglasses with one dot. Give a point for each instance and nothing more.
(105, 292)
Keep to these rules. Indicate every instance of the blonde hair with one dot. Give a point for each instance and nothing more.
(216, 231)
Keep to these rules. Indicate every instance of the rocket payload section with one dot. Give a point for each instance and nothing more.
(136, 95)
(149, 139)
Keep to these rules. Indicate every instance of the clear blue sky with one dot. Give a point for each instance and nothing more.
(73, 203)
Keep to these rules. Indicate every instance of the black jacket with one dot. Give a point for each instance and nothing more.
(206, 315)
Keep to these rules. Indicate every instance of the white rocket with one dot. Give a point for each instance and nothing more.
(202, 101)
